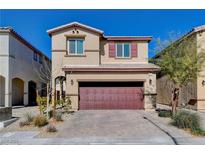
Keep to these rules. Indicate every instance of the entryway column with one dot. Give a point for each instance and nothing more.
(25, 102)
(150, 92)
(72, 91)
(8, 93)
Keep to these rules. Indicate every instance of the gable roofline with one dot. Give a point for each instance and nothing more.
(190, 33)
(114, 38)
(11, 31)
(77, 24)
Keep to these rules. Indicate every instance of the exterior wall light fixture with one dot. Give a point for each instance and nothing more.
(71, 82)
(150, 82)
(203, 83)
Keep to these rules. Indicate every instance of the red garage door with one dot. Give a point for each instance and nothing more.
(111, 98)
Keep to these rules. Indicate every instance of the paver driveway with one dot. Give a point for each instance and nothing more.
(112, 126)
(101, 127)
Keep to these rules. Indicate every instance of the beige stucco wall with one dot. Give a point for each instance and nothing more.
(201, 77)
(96, 53)
(73, 90)
(142, 48)
(59, 50)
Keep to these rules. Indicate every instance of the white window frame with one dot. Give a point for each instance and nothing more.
(123, 53)
(68, 46)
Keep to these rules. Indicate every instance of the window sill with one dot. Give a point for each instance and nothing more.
(123, 57)
(70, 55)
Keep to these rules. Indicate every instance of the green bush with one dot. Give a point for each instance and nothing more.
(58, 116)
(67, 105)
(188, 120)
(40, 121)
(51, 129)
(164, 113)
(61, 102)
(42, 103)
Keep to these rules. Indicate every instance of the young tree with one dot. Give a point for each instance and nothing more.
(180, 61)
(44, 75)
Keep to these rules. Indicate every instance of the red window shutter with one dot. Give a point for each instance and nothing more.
(112, 49)
(134, 49)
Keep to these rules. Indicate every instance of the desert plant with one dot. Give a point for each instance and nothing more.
(61, 103)
(58, 116)
(188, 120)
(29, 117)
(67, 105)
(42, 103)
(50, 128)
(164, 113)
(40, 121)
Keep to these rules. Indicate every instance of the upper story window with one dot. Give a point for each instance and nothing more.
(123, 50)
(35, 56)
(40, 59)
(75, 46)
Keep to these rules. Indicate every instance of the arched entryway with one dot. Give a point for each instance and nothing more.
(2, 91)
(60, 87)
(31, 93)
(17, 92)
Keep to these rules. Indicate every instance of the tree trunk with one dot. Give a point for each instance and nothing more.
(54, 100)
(175, 99)
(47, 101)
(38, 101)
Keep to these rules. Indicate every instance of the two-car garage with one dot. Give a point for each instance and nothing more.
(111, 95)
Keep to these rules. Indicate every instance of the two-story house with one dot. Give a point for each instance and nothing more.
(103, 72)
(19, 64)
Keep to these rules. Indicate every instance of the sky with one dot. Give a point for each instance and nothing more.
(33, 24)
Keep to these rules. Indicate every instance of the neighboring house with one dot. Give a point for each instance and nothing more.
(192, 95)
(18, 61)
(102, 72)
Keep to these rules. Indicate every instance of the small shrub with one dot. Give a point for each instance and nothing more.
(58, 116)
(42, 103)
(29, 117)
(51, 128)
(188, 120)
(67, 105)
(61, 102)
(198, 131)
(24, 123)
(40, 121)
(164, 113)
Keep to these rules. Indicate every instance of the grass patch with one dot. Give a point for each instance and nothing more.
(188, 120)
(164, 113)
